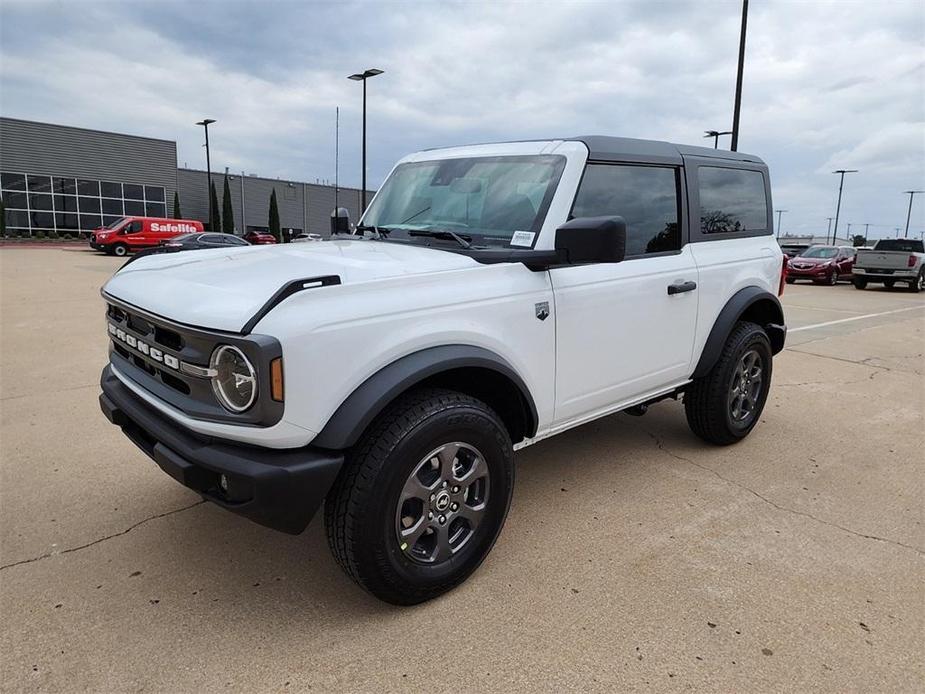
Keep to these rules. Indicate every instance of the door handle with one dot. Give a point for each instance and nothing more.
(681, 287)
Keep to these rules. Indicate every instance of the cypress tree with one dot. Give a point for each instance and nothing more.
(227, 211)
(215, 219)
(176, 206)
(274, 218)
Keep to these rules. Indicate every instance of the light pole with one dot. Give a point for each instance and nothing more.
(779, 213)
(715, 135)
(829, 230)
(841, 183)
(911, 194)
(738, 102)
(362, 77)
(205, 122)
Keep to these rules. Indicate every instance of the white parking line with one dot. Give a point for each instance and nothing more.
(848, 320)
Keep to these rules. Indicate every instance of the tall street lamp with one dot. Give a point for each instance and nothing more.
(829, 229)
(738, 102)
(362, 77)
(715, 135)
(779, 213)
(911, 194)
(841, 184)
(205, 123)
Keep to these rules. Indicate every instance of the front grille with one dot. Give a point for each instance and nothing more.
(149, 350)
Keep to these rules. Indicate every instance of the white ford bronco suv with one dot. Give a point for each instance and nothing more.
(492, 296)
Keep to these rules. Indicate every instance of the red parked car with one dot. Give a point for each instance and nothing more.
(822, 265)
(135, 233)
(259, 238)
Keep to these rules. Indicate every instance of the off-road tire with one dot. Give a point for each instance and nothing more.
(860, 284)
(706, 400)
(360, 509)
(120, 250)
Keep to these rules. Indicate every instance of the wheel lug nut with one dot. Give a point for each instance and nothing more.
(445, 483)
(430, 515)
(442, 520)
(454, 506)
(456, 490)
(433, 496)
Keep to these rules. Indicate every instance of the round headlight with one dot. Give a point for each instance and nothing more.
(235, 381)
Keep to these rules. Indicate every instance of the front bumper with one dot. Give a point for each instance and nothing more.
(281, 489)
(813, 273)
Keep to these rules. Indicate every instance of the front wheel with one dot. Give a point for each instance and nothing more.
(790, 280)
(422, 497)
(833, 278)
(724, 406)
(860, 284)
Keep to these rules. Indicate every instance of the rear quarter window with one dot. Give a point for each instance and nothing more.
(732, 201)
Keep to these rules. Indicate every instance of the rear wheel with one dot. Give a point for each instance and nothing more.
(919, 284)
(833, 278)
(422, 497)
(120, 249)
(888, 283)
(724, 406)
(860, 284)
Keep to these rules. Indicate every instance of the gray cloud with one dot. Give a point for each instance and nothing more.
(828, 84)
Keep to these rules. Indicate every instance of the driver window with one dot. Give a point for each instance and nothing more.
(132, 227)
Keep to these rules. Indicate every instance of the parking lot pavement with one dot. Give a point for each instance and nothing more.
(634, 558)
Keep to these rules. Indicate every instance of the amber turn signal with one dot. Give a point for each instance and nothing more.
(276, 379)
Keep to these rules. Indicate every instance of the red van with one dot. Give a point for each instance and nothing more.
(135, 233)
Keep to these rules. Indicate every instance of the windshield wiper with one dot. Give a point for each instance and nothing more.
(441, 234)
(380, 232)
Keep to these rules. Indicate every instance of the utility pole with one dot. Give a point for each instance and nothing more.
(205, 123)
(911, 194)
(841, 184)
(866, 227)
(829, 230)
(738, 100)
(336, 153)
(779, 213)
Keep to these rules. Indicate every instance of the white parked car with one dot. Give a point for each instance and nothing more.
(497, 295)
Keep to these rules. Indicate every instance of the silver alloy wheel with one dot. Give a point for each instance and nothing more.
(833, 280)
(442, 503)
(746, 387)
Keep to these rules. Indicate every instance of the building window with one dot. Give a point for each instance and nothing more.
(62, 205)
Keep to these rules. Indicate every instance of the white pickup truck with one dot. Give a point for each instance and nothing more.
(891, 261)
(493, 296)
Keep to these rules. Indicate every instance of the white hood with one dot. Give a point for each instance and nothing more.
(221, 289)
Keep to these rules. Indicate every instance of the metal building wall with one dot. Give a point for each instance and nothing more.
(60, 150)
(302, 206)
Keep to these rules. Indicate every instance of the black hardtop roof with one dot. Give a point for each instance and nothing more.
(603, 147)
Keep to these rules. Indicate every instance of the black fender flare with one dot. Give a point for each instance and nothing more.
(770, 317)
(352, 417)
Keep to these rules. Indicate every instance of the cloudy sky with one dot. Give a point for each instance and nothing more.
(827, 84)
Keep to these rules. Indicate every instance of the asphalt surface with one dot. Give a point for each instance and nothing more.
(635, 557)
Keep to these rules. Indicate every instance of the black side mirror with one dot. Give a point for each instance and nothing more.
(340, 221)
(592, 240)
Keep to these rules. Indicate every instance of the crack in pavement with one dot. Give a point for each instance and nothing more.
(785, 509)
(863, 362)
(102, 539)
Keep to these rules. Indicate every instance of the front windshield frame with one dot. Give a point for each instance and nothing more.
(820, 252)
(116, 224)
(403, 230)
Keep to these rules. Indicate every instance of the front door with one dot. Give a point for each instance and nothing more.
(625, 330)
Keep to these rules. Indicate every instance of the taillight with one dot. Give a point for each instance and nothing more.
(783, 275)
(911, 261)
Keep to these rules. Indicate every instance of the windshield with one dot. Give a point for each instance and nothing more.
(483, 199)
(904, 245)
(820, 252)
(118, 222)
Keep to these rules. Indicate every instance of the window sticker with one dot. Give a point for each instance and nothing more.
(523, 238)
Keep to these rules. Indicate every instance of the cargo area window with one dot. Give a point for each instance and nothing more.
(732, 200)
(645, 196)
